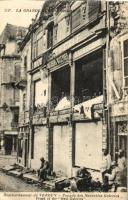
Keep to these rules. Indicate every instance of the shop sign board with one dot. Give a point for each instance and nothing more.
(119, 109)
(38, 62)
(10, 132)
(58, 61)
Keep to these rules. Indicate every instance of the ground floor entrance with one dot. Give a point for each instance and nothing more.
(88, 144)
(119, 137)
(9, 144)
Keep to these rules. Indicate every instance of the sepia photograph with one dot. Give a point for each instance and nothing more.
(63, 99)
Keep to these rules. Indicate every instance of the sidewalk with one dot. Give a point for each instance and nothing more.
(31, 177)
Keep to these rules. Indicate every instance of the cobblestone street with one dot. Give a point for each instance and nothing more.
(12, 184)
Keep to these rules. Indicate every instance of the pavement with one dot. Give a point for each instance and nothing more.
(13, 184)
(13, 178)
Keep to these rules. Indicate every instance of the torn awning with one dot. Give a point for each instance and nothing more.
(87, 106)
(64, 103)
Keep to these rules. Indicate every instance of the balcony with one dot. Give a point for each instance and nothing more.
(9, 80)
(22, 82)
(14, 125)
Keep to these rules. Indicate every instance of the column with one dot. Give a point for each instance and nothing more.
(71, 150)
(72, 80)
(50, 147)
(49, 90)
(13, 145)
(71, 125)
(2, 144)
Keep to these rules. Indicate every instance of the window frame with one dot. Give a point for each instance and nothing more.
(123, 39)
(24, 102)
(39, 51)
(38, 36)
(50, 35)
(80, 19)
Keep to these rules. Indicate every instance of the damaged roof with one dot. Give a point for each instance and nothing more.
(10, 32)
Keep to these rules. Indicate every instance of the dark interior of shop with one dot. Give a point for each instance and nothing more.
(89, 77)
(60, 84)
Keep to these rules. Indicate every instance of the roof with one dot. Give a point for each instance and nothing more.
(10, 32)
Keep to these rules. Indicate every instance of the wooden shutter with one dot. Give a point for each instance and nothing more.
(93, 9)
(76, 18)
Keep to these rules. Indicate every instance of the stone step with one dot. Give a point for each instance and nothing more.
(15, 173)
(31, 177)
(8, 168)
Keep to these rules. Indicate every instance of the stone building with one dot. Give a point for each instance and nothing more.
(9, 95)
(24, 87)
(118, 81)
(70, 90)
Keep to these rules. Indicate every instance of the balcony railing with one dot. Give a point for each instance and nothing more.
(14, 125)
(22, 82)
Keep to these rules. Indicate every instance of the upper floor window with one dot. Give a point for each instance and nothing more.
(24, 101)
(34, 50)
(40, 92)
(76, 18)
(17, 72)
(94, 8)
(38, 45)
(25, 61)
(87, 11)
(25, 66)
(125, 62)
(50, 36)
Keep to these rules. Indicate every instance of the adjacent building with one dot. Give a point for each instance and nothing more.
(9, 95)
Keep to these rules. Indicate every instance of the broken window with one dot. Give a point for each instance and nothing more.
(60, 86)
(88, 77)
(41, 93)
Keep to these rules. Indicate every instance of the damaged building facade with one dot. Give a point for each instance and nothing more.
(67, 99)
(9, 95)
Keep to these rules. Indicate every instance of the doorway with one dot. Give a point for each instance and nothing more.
(8, 144)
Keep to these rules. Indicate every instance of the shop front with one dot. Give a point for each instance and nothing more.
(119, 120)
(40, 146)
(62, 148)
(88, 144)
(10, 142)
